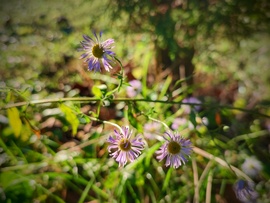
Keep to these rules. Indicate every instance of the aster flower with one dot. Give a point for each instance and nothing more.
(176, 149)
(251, 166)
(122, 148)
(97, 52)
(135, 88)
(244, 191)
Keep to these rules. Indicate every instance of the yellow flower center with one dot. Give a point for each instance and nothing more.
(97, 51)
(125, 145)
(174, 147)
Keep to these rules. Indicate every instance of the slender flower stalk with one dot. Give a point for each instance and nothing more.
(176, 149)
(122, 148)
(97, 52)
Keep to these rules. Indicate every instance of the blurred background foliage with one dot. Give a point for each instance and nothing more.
(217, 51)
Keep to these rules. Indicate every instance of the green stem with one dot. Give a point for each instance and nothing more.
(248, 136)
(196, 181)
(209, 187)
(223, 163)
(9, 152)
(94, 99)
(107, 122)
(153, 119)
(120, 77)
(86, 190)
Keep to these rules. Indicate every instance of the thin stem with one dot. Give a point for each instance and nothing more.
(209, 187)
(36, 166)
(56, 100)
(121, 78)
(86, 190)
(153, 119)
(248, 136)
(9, 152)
(204, 173)
(196, 183)
(221, 162)
(94, 99)
(107, 122)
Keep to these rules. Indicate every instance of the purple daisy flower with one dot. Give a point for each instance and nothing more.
(244, 191)
(176, 149)
(122, 148)
(97, 52)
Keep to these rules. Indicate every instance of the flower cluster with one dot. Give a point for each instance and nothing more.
(122, 148)
(176, 150)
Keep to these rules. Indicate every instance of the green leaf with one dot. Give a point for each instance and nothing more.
(150, 153)
(131, 115)
(96, 91)
(192, 118)
(15, 121)
(112, 180)
(70, 117)
(167, 179)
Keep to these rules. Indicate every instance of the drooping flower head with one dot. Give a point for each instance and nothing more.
(176, 149)
(244, 191)
(252, 166)
(97, 52)
(122, 148)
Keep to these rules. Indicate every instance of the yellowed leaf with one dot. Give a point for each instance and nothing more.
(15, 121)
(70, 117)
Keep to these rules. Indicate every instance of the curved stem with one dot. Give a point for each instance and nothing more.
(120, 77)
(209, 187)
(107, 122)
(221, 162)
(153, 119)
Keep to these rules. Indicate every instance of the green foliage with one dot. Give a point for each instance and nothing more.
(15, 121)
(56, 118)
(70, 117)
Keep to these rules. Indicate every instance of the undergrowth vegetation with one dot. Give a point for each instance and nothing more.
(144, 112)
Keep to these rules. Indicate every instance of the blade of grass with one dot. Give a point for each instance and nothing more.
(209, 187)
(6, 149)
(167, 179)
(133, 193)
(196, 181)
(86, 190)
(204, 173)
